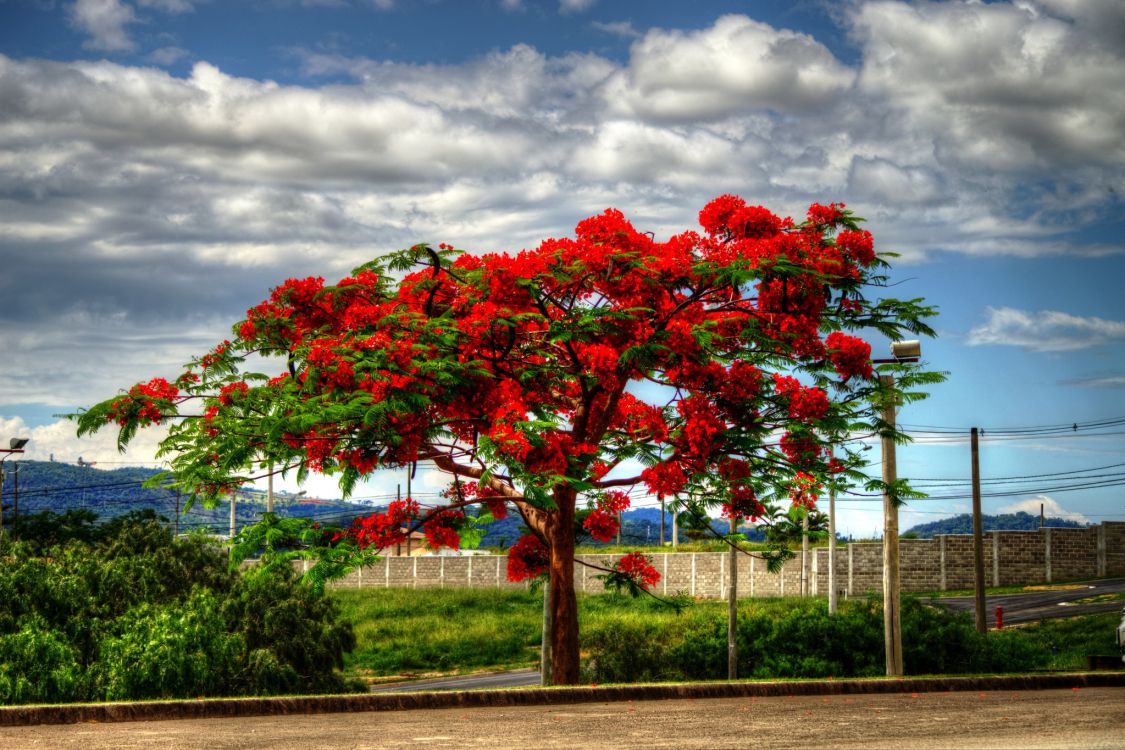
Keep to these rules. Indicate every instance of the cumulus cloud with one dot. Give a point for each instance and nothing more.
(617, 28)
(149, 197)
(575, 6)
(736, 65)
(1044, 330)
(1051, 509)
(1001, 86)
(105, 21)
(59, 439)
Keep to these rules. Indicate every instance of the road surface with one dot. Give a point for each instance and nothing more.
(1039, 605)
(1088, 718)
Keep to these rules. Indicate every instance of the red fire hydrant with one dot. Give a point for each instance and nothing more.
(999, 617)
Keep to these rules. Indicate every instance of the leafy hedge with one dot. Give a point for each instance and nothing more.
(137, 614)
(798, 638)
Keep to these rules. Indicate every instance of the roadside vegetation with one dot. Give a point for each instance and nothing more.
(124, 611)
(413, 632)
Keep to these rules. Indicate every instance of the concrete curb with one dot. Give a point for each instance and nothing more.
(241, 707)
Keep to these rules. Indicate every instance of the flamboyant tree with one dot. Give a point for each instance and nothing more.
(713, 367)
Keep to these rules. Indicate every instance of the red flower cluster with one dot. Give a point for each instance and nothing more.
(743, 503)
(666, 478)
(801, 448)
(638, 567)
(527, 558)
(228, 393)
(857, 245)
(602, 523)
(441, 529)
(145, 403)
(382, 530)
(850, 355)
(805, 404)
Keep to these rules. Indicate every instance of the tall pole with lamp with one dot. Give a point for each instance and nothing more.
(15, 445)
(901, 351)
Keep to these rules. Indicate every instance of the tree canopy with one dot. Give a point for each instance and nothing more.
(716, 367)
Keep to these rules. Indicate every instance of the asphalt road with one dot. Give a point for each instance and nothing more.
(1074, 718)
(1040, 605)
(513, 678)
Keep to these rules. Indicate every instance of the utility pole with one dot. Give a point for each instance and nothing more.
(16, 496)
(409, 531)
(232, 524)
(548, 635)
(15, 445)
(805, 554)
(892, 624)
(661, 520)
(978, 535)
(732, 606)
(831, 548)
(269, 490)
(675, 527)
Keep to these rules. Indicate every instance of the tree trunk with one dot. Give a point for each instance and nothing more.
(564, 640)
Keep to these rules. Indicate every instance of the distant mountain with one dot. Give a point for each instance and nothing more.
(59, 487)
(963, 524)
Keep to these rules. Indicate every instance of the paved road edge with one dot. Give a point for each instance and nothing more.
(242, 707)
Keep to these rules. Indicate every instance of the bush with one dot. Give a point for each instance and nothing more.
(799, 639)
(139, 614)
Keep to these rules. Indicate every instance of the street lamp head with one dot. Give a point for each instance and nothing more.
(906, 349)
(17, 443)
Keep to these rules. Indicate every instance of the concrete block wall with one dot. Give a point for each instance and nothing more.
(942, 563)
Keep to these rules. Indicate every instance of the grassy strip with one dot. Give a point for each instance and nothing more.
(421, 632)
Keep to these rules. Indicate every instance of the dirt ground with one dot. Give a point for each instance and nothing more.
(1075, 718)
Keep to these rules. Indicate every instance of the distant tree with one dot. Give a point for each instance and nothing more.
(715, 367)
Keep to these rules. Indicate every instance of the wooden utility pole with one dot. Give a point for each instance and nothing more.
(16, 496)
(269, 489)
(232, 526)
(832, 549)
(892, 623)
(675, 527)
(548, 635)
(732, 607)
(661, 520)
(978, 535)
(805, 555)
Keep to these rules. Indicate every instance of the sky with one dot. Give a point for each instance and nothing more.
(164, 163)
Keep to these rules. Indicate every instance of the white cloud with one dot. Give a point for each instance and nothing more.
(617, 28)
(1000, 86)
(167, 55)
(169, 6)
(1044, 330)
(105, 21)
(575, 6)
(59, 439)
(149, 196)
(738, 65)
(1051, 509)
(1098, 381)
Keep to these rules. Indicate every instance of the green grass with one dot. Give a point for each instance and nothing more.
(1069, 640)
(413, 632)
(402, 632)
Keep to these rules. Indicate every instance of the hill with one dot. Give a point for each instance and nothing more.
(59, 487)
(963, 524)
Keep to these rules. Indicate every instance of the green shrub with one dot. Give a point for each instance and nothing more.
(139, 614)
(37, 665)
(626, 648)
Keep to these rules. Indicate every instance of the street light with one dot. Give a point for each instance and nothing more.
(901, 351)
(15, 445)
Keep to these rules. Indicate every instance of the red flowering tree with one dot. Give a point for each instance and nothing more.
(715, 367)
